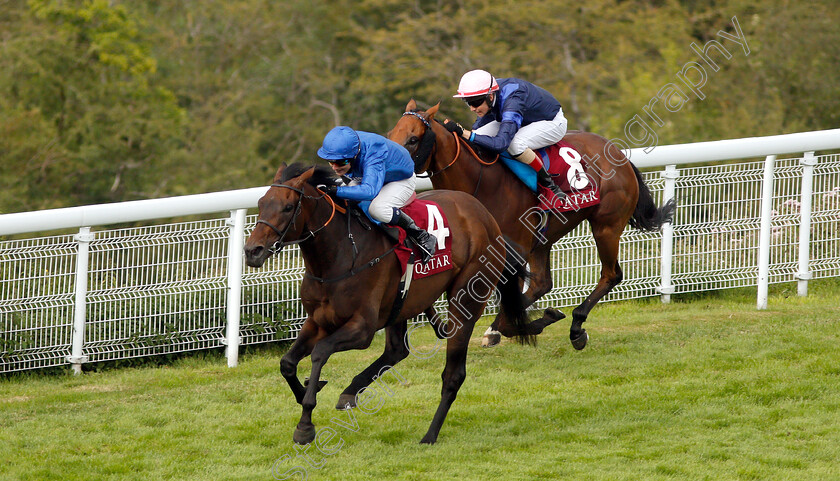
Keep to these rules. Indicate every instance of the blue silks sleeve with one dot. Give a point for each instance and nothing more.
(501, 141)
(373, 178)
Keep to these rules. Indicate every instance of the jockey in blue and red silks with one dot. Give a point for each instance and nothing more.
(513, 115)
(382, 172)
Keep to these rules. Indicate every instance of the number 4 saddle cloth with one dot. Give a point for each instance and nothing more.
(566, 166)
(427, 215)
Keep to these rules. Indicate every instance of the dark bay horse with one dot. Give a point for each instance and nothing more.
(351, 283)
(453, 164)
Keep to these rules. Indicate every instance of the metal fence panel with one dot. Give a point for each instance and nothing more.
(825, 218)
(156, 290)
(163, 288)
(36, 302)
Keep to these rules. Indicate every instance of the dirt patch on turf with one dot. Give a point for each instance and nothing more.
(15, 399)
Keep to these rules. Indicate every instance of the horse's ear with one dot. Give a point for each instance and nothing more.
(430, 114)
(279, 173)
(412, 105)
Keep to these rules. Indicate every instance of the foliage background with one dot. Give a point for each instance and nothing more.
(103, 101)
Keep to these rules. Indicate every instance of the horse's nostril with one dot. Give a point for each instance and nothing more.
(253, 251)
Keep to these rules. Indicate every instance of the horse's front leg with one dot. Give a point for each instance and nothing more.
(355, 334)
(303, 345)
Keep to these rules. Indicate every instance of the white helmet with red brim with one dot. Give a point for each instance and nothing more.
(475, 83)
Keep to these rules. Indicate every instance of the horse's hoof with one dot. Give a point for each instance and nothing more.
(491, 338)
(554, 314)
(345, 402)
(305, 435)
(428, 440)
(579, 342)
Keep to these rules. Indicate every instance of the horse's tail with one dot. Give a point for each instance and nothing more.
(647, 216)
(512, 303)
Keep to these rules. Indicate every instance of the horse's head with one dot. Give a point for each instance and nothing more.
(414, 132)
(282, 213)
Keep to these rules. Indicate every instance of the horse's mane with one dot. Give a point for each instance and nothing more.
(481, 151)
(323, 174)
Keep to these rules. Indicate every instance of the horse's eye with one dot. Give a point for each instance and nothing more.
(288, 208)
(413, 140)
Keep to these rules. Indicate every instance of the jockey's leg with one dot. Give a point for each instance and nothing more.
(490, 128)
(423, 239)
(530, 157)
(385, 208)
(537, 135)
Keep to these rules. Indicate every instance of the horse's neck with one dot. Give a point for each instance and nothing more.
(494, 185)
(330, 252)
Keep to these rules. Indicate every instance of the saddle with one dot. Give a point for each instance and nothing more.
(567, 169)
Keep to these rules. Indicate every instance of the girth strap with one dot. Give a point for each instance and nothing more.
(402, 290)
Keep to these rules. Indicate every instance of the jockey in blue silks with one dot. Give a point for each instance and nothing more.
(513, 115)
(382, 172)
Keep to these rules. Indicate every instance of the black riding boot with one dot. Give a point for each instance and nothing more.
(423, 239)
(545, 180)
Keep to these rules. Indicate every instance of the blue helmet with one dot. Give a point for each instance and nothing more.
(340, 143)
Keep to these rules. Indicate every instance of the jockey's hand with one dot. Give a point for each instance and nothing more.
(454, 127)
(331, 190)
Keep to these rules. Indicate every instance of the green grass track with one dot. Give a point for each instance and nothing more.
(705, 388)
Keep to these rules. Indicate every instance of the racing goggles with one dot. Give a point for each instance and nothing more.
(475, 102)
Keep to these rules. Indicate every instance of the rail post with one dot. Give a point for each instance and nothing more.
(666, 288)
(236, 243)
(808, 163)
(764, 232)
(77, 357)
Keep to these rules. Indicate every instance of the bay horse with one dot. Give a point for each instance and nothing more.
(352, 277)
(452, 163)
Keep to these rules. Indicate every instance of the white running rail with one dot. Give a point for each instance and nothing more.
(101, 293)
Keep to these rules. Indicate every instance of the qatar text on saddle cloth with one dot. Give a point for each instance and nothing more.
(427, 215)
(566, 167)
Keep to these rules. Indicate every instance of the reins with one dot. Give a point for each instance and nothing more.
(458, 141)
(311, 234)
(285, 231)
(353, 270)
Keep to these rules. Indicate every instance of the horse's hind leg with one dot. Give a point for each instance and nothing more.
(436, 322)
(606, 240)
(455, 370)
(395, 351)
(539, 284)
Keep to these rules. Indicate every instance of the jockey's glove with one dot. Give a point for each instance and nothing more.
(331, 190)
(454, 127)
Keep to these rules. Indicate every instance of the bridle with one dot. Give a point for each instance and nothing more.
(279, 244)
(424, 151)
(427, 143)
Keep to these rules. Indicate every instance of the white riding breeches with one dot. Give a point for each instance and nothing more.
(532, 136)
(393, 194)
